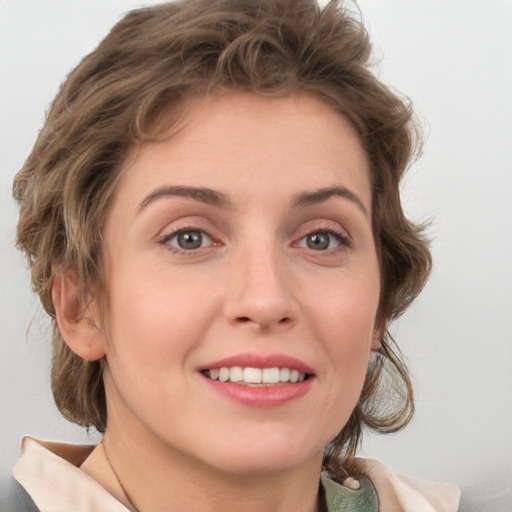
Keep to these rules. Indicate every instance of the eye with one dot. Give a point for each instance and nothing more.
(323, 240)
(188, 239)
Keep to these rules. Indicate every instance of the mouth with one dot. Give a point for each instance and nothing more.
(256, 377)
(259, 380)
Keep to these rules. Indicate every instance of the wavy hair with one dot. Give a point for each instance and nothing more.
(157, 58)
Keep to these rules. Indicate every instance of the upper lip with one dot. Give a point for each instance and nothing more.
(254, 360)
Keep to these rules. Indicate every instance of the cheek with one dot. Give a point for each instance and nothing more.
(349, 306)
(348, 331)
(151, 331)
(154, 321)
(345, 321)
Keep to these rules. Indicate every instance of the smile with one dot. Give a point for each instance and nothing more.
(249, 376)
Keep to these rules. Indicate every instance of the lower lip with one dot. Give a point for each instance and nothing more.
(265, 396)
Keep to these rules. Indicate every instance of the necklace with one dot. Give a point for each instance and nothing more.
(126, 495)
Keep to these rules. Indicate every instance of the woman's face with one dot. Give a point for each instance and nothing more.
(241, 248)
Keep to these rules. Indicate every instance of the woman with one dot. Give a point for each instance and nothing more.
(212, 217)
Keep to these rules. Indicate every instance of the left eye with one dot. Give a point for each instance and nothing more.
(189, 239)
(321, 241)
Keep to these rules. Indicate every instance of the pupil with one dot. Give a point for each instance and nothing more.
(190, 240)
(318, 241)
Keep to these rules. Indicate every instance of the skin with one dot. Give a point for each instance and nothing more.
(257, 285)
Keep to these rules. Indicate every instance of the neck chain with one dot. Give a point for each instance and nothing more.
(126, 495)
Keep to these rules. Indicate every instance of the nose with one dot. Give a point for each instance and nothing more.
(260, 291)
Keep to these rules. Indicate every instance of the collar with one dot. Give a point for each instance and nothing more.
(339, 498)
(49, 470)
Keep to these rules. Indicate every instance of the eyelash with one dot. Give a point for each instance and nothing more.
(343, 240)
(165, 240)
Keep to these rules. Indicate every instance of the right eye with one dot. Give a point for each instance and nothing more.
(187, 239)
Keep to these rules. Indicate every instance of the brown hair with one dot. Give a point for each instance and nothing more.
(155, 58)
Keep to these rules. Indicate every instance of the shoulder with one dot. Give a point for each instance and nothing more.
(51, 477)
(400, 493)
(18, 500)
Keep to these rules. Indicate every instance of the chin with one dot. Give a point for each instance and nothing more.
(255, 456)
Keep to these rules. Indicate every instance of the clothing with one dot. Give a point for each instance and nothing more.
(57, 477)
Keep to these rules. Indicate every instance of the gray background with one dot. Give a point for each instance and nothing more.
(453, 58)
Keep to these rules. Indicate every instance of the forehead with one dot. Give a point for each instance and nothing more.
(238, 139)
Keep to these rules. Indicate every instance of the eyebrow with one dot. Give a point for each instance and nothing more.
(323, 194)
(220, 200)
(201, 194)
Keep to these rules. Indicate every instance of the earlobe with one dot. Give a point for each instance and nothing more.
(78, 328)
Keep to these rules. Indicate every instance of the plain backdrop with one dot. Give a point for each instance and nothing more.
(453, 58)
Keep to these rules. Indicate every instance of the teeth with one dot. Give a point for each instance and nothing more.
(224, 374)
(270, 375)
(236, 374)
(253, 376)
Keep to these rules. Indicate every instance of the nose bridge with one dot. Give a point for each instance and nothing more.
(260, 292)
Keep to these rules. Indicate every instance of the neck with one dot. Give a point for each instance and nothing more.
(164, 480)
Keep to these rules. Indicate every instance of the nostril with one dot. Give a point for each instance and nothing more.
(263, 323)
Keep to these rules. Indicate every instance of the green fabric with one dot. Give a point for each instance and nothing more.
(342, 499)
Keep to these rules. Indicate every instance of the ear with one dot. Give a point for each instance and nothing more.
(78, 322)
